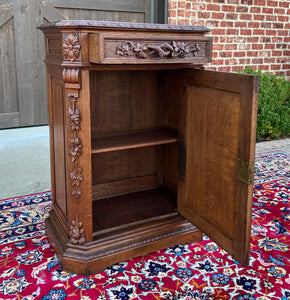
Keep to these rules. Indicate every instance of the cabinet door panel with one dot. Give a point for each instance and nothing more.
(219, 137)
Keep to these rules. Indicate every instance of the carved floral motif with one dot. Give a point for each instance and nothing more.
(76, 233)
(175, 49)
(71, 46)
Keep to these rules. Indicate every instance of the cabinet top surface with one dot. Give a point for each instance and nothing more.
(125, 26)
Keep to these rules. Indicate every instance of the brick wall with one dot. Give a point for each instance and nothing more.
(251, 33)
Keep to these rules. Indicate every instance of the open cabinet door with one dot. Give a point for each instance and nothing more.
(216, 157)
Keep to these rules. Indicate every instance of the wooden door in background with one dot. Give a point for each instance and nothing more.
(23, 100)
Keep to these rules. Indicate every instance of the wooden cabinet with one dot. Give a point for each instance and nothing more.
(148, 150)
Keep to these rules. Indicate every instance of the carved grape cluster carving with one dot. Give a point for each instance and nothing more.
(175, 49)
(71, 46)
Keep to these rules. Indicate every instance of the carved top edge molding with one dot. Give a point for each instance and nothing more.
(84, 24)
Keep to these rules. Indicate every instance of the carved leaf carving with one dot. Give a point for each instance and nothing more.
(71, 46)
(176, 49)
(76, 233)
(75, 119)
(76, 177)
(76, 150)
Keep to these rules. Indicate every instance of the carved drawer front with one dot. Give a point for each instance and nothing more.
(151, 50)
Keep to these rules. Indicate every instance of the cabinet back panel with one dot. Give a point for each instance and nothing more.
(119, 165)
(123, 101)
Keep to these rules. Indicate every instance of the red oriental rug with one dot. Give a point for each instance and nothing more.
(29, 268)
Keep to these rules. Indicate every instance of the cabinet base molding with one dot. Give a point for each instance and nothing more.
(118, 246)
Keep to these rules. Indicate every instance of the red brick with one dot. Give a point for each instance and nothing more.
(242, 9)
(172, 21)
(281, 60)
(203, 15)
(253, 24)
(214, 54)
(265, 40)
(217, 15)
(260, 2)
(231, 47)
(269, 60)
(245, 17)
(286, 66)
(233, 1)
(172, 13)
(227, 24)
(225, 54)
(183, 22)
(231, 61)
(266, 25)
(213, 7)
(224, 69)
(259, 17)
(228, 8)
(258, 32)
(287, 39)
(271, 32)
(246, 31)
(181, 4)
(172, 5)
(277, 39)
(240, 54)
(188, 5)
(257, 46)
(277, 53)
(283, 32)
(272, 3)
(267, 10)
(257, 61)
(264, 67)
(283, 18)
(212, 23)
(279, 11)
(255, 10)
(231, 31)
(244, 61)
(269, 46)
(218, 31)
(271, 18)
(253, 39)
(218, 61)
(181, 13)
(244, 46)
(218, 47)
(278, 25)
(286, 52)
(281, 46)
(190, 14)
(284, 3)
(241, 24)
(232, 16)
(275, 67)
(252, 53)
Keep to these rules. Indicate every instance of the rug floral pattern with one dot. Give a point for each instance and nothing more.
(29, 268)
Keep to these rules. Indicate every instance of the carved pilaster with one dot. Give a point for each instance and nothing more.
(71, 78)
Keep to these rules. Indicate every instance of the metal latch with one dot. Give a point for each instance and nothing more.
(245, 171)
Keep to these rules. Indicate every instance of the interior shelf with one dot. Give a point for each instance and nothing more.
(132, 209)
(134, 140)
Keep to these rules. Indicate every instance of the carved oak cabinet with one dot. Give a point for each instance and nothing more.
(145, 143)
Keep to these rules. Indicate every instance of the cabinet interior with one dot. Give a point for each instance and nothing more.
(134, 131)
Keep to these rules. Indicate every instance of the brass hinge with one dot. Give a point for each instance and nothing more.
(245, 171)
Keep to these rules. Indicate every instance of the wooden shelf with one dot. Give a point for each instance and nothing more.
(133, 209)
(134, 140)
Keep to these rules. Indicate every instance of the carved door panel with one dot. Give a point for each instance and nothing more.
(216, 191)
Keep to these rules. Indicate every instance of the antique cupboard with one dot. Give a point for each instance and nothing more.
(145, 143)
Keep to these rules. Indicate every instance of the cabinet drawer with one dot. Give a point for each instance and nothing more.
(149, 49)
